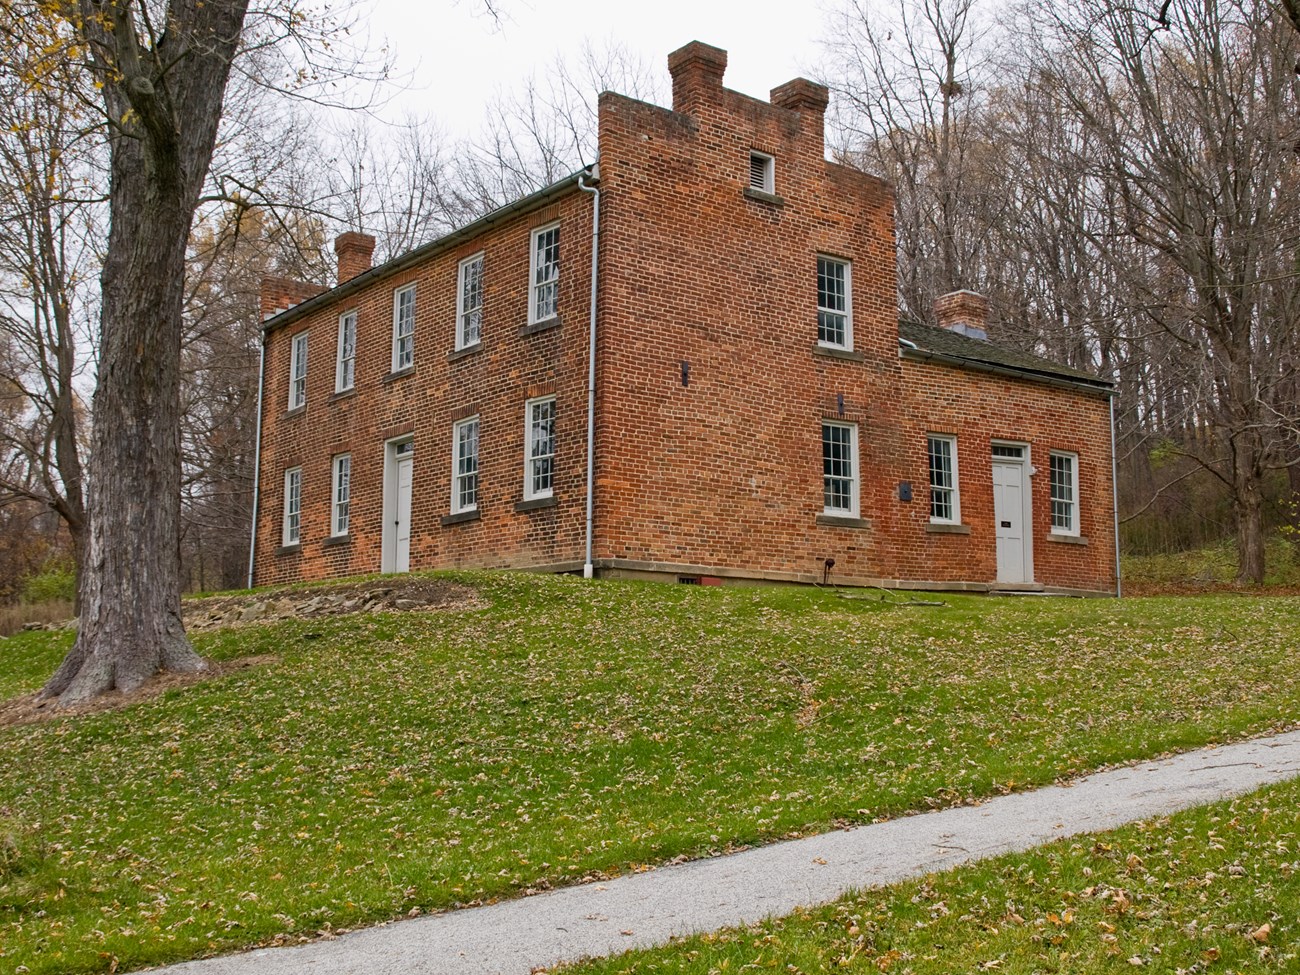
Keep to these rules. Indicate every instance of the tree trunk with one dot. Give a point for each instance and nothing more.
(1248, 498)
(130, 594)
(1250, 541)
(163, 100)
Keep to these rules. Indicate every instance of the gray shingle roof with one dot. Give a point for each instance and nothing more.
(960, 349)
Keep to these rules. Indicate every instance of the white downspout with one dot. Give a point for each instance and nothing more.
(588, 569)
(1114, 488)
(257, 456)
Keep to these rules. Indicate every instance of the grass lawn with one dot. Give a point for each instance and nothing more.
(405, 762)
(1215, 889)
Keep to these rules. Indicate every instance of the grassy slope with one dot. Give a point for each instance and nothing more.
(1186, 894)
(417, 761)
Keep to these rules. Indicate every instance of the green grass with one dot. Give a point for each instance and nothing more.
(1186, 894)
(1213, 565)
(402, 762)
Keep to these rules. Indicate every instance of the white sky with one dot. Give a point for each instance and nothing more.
(457, 57)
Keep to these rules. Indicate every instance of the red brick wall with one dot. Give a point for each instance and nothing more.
(978, 408)
(494, 382)
(725, 473)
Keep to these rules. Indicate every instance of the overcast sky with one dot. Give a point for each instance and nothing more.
(457, 57)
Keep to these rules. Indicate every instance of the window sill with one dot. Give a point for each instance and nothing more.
(400, 374)
(762, 196)
(536, 504)
(460, 517)
(835, 352)
(468, 350)
(945, 528)
(545, 325)
(296, 411)
(336, 540)
(293, 549)
(1066, 539)
(842, 521)
(343, 394)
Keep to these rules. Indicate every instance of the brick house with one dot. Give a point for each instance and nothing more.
(685, 362)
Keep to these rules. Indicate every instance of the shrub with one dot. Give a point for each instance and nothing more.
(55, 582)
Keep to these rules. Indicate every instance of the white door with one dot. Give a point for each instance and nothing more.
(402, 515)
(1009, 515)
(399, 467)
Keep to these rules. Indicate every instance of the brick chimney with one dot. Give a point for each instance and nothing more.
(281, 294)
(355, 252)
(809, 99)
(965, 313)
(697, 71)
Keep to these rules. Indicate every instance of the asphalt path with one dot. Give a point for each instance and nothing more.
(639, 910)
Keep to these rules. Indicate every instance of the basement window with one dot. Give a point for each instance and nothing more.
(762, 172)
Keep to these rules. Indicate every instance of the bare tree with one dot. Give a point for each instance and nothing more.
(1194, 122)
(910, 83)
(51, 210)
(392, 181)
(545, 131)
(230, 252)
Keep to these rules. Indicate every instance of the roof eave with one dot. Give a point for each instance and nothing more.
(533, 201)
(1094, 387)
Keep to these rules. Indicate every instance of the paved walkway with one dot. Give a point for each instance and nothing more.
(649, 908)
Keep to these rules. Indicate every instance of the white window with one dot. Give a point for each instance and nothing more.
(403, 327)
(342, 494)
(464, 466)
(762, 172)
(945, 502)
(840, 468)
(469, 302)
(834, 303)
(298, 372)
(345, 370)
(292, 531)
(1065, 493)
(539, 448)
(544, 274)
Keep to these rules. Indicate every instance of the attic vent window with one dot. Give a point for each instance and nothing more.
(762, 172)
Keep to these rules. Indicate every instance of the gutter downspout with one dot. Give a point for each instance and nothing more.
(588, 569)
(257, 455)
(1114, 488)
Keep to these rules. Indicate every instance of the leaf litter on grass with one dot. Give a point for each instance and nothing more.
(398, 763)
